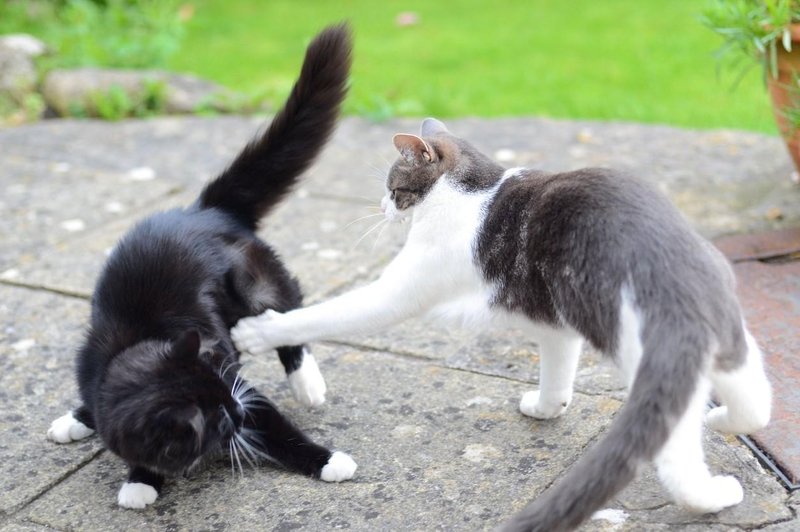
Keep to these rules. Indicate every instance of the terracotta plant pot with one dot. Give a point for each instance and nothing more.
(785, 93)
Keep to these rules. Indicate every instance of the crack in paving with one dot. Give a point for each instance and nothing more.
(47, 289)
(19, 508)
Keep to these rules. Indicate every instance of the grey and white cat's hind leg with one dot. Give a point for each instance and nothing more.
(558, 356)
(73, 426)
(744, 393)
(305, 379)
(681, 463)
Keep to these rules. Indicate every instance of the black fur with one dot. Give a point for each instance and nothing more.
(158, 373)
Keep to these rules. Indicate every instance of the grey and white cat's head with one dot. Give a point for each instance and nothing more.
(434, 157)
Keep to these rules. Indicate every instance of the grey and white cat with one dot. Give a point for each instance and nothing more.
(591, 255)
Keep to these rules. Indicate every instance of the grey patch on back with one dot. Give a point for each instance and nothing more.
(574, 238)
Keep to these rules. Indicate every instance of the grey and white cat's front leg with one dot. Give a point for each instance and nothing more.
(366, 309)
(558, 363)
(390, 299)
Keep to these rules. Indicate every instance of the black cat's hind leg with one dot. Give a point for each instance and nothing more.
(261, 283)
(141, 489)
(72, 426)
(267, 434)
(302, 371)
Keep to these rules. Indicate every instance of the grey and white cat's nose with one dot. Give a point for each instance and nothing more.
(384, 204)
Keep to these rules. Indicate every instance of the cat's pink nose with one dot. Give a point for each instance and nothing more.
(384, 203)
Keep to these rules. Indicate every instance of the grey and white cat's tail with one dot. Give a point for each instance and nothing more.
(666, 381)
(267, 168)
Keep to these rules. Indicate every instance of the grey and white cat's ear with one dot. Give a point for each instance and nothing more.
(413, 148)
(431, 127)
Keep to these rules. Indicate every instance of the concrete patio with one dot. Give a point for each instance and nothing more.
(429, 414)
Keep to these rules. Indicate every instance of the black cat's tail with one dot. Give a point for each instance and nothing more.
(266, 169)
(665, 383)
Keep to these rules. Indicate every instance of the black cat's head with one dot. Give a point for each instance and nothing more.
(427, 159)
(162, 407)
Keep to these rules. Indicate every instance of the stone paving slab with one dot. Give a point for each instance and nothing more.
(429, 414)
(38, 336)
(450, 449)
(72, 265)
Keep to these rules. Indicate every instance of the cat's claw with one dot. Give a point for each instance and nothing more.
(532, 405)
(339, 467)
(67, 429)
(307, 383)
(136, 495)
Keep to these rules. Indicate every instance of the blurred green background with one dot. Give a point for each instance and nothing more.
(646, 61)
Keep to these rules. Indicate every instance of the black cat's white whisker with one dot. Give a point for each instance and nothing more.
(230, 455)
(236, 456)
(247, 451)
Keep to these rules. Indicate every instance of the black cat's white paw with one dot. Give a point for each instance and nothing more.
(306, 382)
(339, 467)
(67, 429)
(136, 495)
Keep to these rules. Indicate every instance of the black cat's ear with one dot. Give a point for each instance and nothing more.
(413, 148)
(431, 127)
(188, 345)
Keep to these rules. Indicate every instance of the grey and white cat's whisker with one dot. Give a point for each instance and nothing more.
(378, 237)
(369, 231)
(380, 173)
(367, 217)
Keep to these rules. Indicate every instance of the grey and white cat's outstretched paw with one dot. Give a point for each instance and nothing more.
(711, 496)
(532, 405)
(339, 467)
(67, 429)
(258, 334)
(306, 382)
(136, 495)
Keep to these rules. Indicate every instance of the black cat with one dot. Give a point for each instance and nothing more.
(158, 372)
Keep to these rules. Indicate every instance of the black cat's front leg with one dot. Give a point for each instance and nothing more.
(72, 426)
(302, 371)
(269, 435)
(141, 489)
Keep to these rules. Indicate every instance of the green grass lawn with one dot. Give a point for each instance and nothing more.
(645, 61)
(633, 60)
